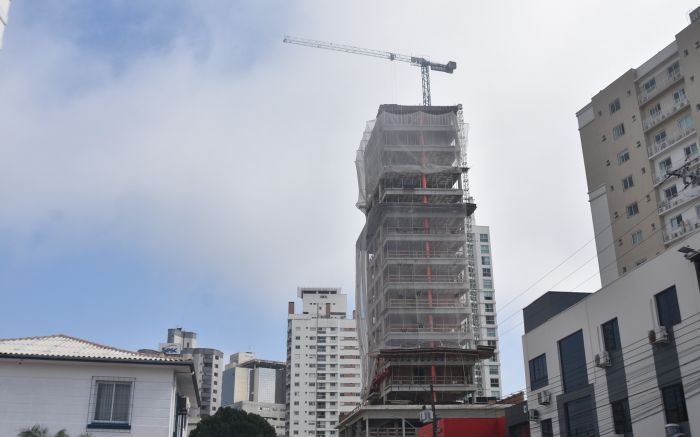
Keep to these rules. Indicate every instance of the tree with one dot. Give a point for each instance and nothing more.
(228, 422)
(42, 431)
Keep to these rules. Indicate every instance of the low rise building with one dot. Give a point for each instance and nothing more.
(63, 382)
(623, 360)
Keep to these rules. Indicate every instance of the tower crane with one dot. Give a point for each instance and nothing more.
(424, 64)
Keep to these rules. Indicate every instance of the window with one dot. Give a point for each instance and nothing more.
(572, 357)
(618, 131)
(111, 404)
(611, 335)
(484, 238)
(615, 106)
(579, 417)
(685, 123)
(665, 165)
(655, 110)
(538, 372)
(485, 249)
(490, 320)
(632, 209)
(690, 150)
(495, 382)
(660, 137)
(486, 272)
(488, 307)
(674, 404)
(637, 237)
(677, 221)
(623, 157)
(490, 332)
(667, 306)
(650, 85)
(627, 182)
(493, 370)
(674, 70)
(679, 96)
(671, 192)
(486, 260)
(488, 283)
(621, 416)
(546, 426)
(488, 296)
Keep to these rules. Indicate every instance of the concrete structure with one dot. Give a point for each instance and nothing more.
(208, 365)
(256, 386)
(323, 363)
(622, 360)
(633, 133)
(420, 294)
(4, 12)
(62, 382)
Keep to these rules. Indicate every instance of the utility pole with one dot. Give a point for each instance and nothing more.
(432, 407)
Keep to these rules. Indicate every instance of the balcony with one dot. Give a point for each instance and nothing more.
(661, 84)
(690, 160)
(665, 114)
(670, 141)
(681, 199)
(687, 227)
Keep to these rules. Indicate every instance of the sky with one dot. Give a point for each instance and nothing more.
(173, 163)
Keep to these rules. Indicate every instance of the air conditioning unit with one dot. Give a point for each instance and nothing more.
(603, 360)
(543, 397)
(533, 416)
(658, 335)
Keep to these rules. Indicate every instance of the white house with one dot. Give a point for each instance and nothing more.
(623, 360)
(63, 382)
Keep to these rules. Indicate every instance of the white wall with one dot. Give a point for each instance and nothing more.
(57, 395)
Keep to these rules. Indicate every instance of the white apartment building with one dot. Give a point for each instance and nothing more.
(4, 12)
(638, 135)
(62, 382)
(487, 372)
(323, 363)
(624, 360)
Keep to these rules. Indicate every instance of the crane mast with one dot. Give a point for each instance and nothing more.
(424, 64)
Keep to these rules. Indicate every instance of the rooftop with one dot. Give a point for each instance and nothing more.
(65, 347)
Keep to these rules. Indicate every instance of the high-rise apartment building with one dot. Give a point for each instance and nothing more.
(4, 10)
(323, 363)
(425, 299)
(639, 138)
(256, 386)
(208, 366)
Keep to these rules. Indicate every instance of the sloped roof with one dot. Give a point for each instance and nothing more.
(71, 348)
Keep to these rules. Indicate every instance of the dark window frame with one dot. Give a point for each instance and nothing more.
(574, 375)
(622, 421)
(538, 372)
(674, 413)
(667, 308)
(611, 335)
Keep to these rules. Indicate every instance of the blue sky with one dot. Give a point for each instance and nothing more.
(169, 163)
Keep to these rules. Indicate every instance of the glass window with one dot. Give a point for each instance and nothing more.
(677, 221)
(493, 370)
(618, 131)
(685, 123)
(615, 106)
(623, 157)
(665, 165)
(671, 192)
(488, 307)
(579, 417)
(486, 272)
(547, 430)
(674, 70)
(490, 332)
(637, 237)
(484, 238)
(690, 150)
(488, 283)
(572, 357)
(679, 96)
(627, 182)
(485, 249)
(538, 372)
(488, 296)
(490, 320)
(611, 335)
(112, 402)
(660, 137)
(632, 209)
(621, 416)
(667, 306)
(486, 260)
(650, 84)
(674, 404)
(495, 382)
(655, 109)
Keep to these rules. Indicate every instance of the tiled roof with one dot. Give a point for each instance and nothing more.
(65, 347)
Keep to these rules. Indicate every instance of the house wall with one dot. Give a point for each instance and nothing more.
(56, 394)
(630, 299)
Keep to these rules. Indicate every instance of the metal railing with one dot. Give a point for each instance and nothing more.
(669, 141)
(422, 254)
(687, 227)
(418, 230)
(424, 303)
(665, 114)
(418, 328)
(662, 83)
(426, 380)
(412, 277)
(681, 198)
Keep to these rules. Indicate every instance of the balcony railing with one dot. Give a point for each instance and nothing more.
(425, 303)
(423, 254)
(426, 380)
(678, 200)
(454, 279)
(687, 227)
(690, 160)
(423, 329)
(665, 114)
(661, 84)
(670, 141)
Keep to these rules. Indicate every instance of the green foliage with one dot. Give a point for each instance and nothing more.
(228, 422)
(42, 431)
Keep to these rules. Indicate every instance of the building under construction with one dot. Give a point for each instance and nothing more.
(417, 286)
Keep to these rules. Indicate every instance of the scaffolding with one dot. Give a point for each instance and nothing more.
(416, 277)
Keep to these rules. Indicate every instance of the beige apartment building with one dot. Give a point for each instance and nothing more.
(634, 133)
